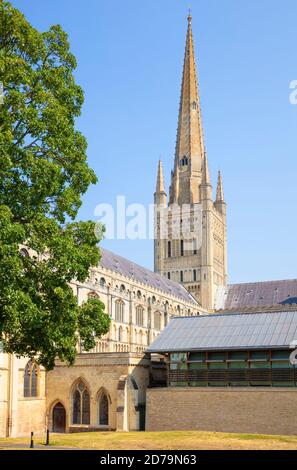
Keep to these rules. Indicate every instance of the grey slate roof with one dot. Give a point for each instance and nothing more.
(132, 270)
(228, 331)
(257, 294)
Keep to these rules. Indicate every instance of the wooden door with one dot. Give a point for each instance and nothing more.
(59, 418)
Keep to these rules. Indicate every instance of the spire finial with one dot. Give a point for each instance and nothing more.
(189, 15)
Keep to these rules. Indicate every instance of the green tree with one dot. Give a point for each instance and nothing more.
(43, 174)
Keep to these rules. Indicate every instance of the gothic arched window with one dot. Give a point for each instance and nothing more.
(119, 311)
(103, 410)
(138, 294)
(157, 321)
(30, 380)
(81, 404)
(139, 316)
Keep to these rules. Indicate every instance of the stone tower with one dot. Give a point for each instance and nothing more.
(190, 231)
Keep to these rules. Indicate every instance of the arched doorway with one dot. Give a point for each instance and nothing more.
(59, 418)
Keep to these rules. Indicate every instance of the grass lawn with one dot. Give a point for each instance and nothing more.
(173, 440)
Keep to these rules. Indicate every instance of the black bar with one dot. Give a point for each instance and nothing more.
(190, 458)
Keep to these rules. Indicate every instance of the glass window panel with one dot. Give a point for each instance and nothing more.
(280, 355)
(103, 412)
(282, 365)
(178, 357)
(27, 381)
(80, 386)
(198, 356)
(33, 382)
(76, 407)
(85, 407)
(238, 365)
(178, 365)
(217, 356)
(264, 355)
(197, 365)
(238, 355)
(217, 365)
(260, 365)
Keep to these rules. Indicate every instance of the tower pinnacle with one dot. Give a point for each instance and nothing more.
(160, 187)
(220, 192)
(205, 171)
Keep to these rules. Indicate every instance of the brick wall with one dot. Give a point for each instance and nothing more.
(244, 410)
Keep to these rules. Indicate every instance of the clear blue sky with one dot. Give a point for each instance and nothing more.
(130, 57)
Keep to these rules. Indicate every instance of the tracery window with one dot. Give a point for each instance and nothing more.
(139, 316)
(81, 404)
(119, 311)
(30, 380)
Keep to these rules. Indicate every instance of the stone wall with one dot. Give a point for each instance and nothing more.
(30, 416)
(20, 415)
(242, 410)
(122, 376)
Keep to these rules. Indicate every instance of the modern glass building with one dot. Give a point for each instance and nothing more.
(232, 350)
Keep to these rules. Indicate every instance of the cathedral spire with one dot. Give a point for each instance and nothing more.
(189, 134)
(189, 148)
(220, 192)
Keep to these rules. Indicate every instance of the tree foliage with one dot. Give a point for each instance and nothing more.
(43, 174)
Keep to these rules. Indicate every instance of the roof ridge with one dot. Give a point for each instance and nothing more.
(261, 282)
(207, 315)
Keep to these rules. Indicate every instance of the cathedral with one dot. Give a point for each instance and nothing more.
(107, 388)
